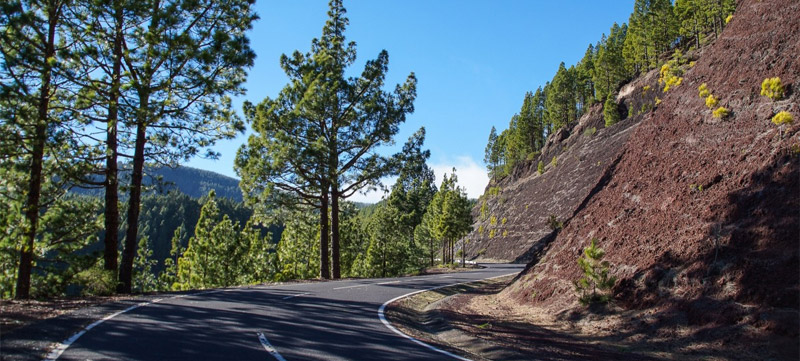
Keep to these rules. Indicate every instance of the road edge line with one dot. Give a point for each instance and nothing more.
(62, 346)
(268, 346)
(382, 316)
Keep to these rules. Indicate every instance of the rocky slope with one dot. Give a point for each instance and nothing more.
(513, 216)
(699, 216)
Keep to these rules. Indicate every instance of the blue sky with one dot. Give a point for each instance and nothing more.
(474, 61)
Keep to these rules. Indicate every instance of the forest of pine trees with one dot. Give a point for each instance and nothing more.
(95, 97)
(655, 29)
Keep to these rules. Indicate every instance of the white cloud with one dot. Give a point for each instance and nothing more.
(471, 175)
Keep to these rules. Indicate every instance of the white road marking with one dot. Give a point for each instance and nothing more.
(386, 322)
(267, 346)
(296, 295)
(345, 287)
(446, 277)
(389, 282)
(63, 345)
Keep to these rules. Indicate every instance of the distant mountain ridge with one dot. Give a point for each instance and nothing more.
(196, 182)
(193, 182)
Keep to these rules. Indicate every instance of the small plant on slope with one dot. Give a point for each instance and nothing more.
(610, 111)
(772, 88)
(782, 118)
(721, 113)
(711, 101)
(593, 287)
(703, 89)
(540, 167)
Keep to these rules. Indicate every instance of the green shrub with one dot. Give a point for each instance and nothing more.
(772, 88)
(721, 113)
(96, 282)
(554, 223)
(505, 233)
(782, 118)
(480, 230)
(729, 18)
(503, 221)
(711, 101)
(493, 220)
(491, 233)
(704, 92)
(670, 75)
(554, 162)
(540, 167)
(590, 132)
(610, 111)
(484, 210)
(595, 276)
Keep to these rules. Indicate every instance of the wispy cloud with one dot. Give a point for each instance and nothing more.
(471, 175)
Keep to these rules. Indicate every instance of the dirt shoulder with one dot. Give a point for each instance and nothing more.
(474, 322)
(447, 318)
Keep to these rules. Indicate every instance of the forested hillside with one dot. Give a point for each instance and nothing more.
(193, 182)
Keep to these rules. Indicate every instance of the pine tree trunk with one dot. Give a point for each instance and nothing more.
(134, 201)
(325, 269)
(335, 232)
(111, 241)
(23, 285)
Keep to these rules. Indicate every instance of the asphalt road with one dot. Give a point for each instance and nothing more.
(312, 321)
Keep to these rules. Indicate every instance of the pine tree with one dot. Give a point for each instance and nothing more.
(561, 99)
(184, 58)
(350, 116)
(37, 106)
(490, 155)
(595, 276)
(611, 111)
(143, 278)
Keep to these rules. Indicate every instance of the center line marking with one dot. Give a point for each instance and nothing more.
(297, 295)
(386, 283)
(267, 346)
(353, 286)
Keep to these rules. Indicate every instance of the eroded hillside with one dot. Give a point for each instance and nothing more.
(699, 217)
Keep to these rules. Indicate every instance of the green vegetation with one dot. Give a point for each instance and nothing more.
(703, 91)
(554, 162)
(772, 88)
(593, 287)
(493, 220)
(782, 118)
(721, 113)
(503, 221)
(711, 101)
(540, 167)
(670, 73)
(554, 223)
(590, 131)
(610, 111)
(625, 51)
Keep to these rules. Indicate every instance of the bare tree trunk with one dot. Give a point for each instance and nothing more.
(23, 286)
(324, 265)
(335, 232)
(134, 201)
(111, 241)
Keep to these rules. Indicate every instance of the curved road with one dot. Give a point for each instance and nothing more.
(312, 321)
